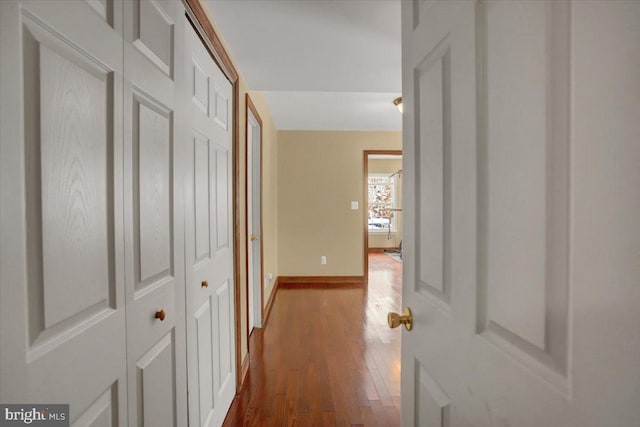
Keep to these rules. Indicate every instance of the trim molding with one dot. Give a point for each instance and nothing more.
(199, 11)
(378, 250)
(322, 280)
(244, 370)
(267, 309)
(196, 11)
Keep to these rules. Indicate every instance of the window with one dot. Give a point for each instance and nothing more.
(382, 198)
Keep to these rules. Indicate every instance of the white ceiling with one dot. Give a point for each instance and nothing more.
(323, 64)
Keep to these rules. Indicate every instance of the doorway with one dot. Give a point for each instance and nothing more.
(383, 198)
(253, 150)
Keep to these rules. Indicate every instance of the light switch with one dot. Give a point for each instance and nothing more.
(354, 206)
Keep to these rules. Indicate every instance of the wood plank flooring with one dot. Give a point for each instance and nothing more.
(327, 356)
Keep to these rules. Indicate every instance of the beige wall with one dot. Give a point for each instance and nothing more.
(319, 174)
(380, 239)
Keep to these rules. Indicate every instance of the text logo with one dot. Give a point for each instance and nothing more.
(37, 415)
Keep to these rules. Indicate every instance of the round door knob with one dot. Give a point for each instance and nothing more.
(395, 319)
(160, 315)
(254, 237)
(204, 284)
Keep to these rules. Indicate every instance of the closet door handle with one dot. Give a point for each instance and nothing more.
(160, 315)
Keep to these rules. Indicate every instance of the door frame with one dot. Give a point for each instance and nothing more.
(365, 203)
(248, 144)
(202, 22)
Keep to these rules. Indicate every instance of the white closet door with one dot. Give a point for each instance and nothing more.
(153, 217)
(62, 303)
(208, 236)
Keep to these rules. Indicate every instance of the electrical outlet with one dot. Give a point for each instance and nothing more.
(323, 260)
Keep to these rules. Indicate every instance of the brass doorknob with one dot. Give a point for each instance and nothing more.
(254, 237)
(204, 284)
(160, 315)
(394, 319)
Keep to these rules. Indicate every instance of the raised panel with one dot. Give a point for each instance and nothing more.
(156, 384)
(152, 191)
(154, 34)
(224, 310)
(202, 197)
(222, 197)
(222, 108)
(104, 9)
(200, 88)
(524, 181)
(204, 322)
(101, 413)
(433, 177)
(517, 167)
(432, 403)
(420, 8)
(68, 102)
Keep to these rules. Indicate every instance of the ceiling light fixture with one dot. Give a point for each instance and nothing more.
(398, 103)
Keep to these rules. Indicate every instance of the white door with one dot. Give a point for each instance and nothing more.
(62, 273)
(208, 236)
(522, 170)
(153, 217)
(254, 194)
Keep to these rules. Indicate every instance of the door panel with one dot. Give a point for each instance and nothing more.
(153, 217)
(224, 325)
(524, 185)
(155, 373)
(153, 32)
(62, 251)
(102, 412)
(432, 403)
(505, 228)
(222, 197)
(209, 251)
(205, 376)
(105, 9)
(152, 152)
(202, 197)
(434, 155)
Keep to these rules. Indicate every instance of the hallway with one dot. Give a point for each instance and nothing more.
(327, 356)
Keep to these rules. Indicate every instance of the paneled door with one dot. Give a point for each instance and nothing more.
(153, 216)
(62, 299)
(521, 174)
(254, 218)
(208, 236)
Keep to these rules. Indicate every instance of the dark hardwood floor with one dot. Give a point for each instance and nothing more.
(326, 356)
